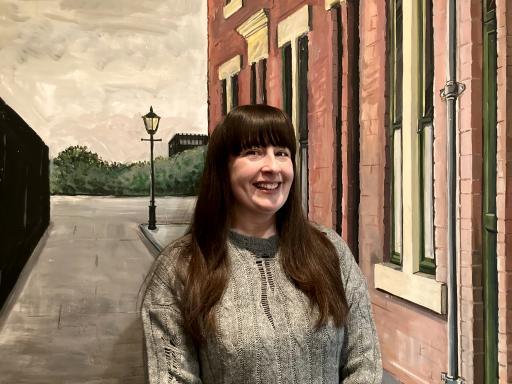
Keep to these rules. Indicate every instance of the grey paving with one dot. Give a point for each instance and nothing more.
(72, 317)
(163, 234)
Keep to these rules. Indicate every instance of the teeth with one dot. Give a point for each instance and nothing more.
(267, 185)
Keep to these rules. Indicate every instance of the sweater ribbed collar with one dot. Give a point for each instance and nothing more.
(256, 245)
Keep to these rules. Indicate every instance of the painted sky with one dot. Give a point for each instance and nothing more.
(82, 72)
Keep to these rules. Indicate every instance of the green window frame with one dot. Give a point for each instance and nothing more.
(253, 83)
(262, 64)
(223, 89)
(234, 91)
(287, 78)
(303, 55)
(489, 219)
(395, 90)
(426, 137)
(338, 111)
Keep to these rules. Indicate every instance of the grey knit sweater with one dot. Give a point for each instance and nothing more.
(266, 328)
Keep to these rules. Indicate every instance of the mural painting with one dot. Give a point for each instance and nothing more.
(402, 122)
(76, 78)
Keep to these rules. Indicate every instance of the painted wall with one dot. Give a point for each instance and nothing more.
(84, 72)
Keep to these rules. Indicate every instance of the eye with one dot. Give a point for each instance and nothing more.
(283, 152)
(254, 151)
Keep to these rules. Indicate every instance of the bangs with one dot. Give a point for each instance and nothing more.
(258, 126)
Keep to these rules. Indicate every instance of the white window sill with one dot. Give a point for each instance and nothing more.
(230, 8)
(419, 288)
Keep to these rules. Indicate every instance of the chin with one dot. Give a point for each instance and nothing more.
(270, 209)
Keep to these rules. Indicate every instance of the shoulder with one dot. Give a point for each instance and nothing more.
(172, 256)
(336, 240)
(167, 269)
(350, 271)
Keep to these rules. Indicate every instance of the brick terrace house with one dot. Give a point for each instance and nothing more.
(361, 81)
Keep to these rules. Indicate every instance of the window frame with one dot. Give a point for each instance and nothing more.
(230, 7)
(229, 71)
(254, 83)
(395, 122)
(406, 280)
(426, 120)
(287, 81)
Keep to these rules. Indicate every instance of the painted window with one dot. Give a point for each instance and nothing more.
(287, 78)
(228, 76)
(425, 134)
(234, 91)
(255, 31)
(410, 270)
(258, 82)
(292, 39)
(262, 72)
(254, 83)
(338, 48)
(395, 108)
(224, 97)
(230, 7)
(302, 95)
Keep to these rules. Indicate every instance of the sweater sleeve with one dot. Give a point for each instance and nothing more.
(360, 355)
(169, 352)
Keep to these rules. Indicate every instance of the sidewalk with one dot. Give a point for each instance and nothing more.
(72, 318)
(163, 235)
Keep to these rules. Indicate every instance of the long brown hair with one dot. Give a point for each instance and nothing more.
(307, 256)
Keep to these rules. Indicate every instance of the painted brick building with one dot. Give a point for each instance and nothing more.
(361, 81)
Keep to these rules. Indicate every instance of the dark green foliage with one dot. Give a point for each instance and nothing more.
(78, 171)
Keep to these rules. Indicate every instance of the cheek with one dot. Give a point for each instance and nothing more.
(290, 172)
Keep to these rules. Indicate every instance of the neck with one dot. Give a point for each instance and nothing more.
(259, 226)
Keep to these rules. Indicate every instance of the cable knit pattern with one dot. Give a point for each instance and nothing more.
(266, 328)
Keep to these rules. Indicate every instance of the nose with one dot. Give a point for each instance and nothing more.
(270, 163)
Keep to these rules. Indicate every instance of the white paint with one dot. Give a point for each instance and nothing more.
(418, 288)
(255, 31)
(231, 7)
(84, 72)
(293, 26)
(230, 67)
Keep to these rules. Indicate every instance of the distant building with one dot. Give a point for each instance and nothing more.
(183, 141)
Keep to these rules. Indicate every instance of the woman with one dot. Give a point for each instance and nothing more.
(254, 293)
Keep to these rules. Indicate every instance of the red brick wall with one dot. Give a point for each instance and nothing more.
(413, 340)
(504, 188)
(409, 351)
(225, 42)
(322, 158)
(372, 120)
(470, 51)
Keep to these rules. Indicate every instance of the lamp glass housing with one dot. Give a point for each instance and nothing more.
(151, 121)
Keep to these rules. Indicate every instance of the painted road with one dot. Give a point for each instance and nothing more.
(72, 317)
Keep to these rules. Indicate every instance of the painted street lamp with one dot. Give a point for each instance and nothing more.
(151, 121)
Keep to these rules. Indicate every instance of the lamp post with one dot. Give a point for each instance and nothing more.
(151, 121)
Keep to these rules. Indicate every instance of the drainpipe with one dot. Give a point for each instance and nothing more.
(451, 91)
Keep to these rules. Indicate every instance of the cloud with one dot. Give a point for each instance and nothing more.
(76, 69)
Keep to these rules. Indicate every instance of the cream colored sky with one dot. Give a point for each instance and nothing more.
(84, 71)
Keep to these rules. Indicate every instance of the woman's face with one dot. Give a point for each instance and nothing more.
(260, 179)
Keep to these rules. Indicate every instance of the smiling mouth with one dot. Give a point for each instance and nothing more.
(266, 186)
